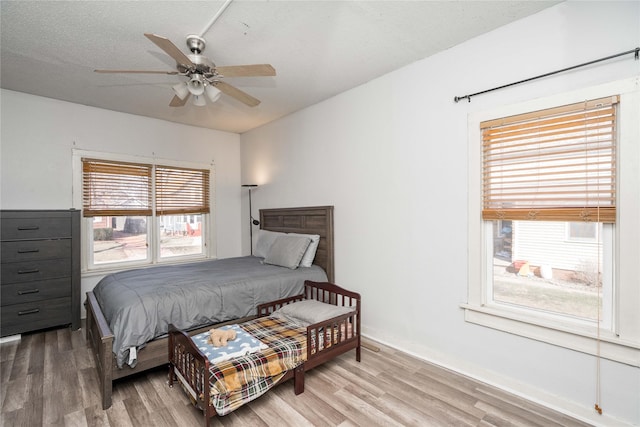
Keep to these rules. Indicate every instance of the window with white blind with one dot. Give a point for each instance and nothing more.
(545, 225)
(142, 213)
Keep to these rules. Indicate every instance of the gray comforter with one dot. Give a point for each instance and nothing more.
(140, 304)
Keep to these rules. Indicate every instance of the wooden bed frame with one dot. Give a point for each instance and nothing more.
(188, 365)
(305, 220)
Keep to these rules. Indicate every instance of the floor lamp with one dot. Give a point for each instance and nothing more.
(252, 221)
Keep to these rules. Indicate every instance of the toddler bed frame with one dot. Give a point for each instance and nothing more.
(191, 367)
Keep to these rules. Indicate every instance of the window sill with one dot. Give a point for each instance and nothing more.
(575, 337)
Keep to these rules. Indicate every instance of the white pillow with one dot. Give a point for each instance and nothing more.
(264, 241)
(310, 311)
(287, 251)
(310, 254)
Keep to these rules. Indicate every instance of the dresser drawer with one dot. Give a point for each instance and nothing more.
(20, 318)
(35, 228)
(19, 293)
(28, 271)
(35, 250)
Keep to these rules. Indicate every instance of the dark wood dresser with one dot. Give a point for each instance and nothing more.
(40, 281)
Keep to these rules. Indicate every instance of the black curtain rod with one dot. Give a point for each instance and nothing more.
(468, 97)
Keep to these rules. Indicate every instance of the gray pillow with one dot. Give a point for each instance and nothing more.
(264, 241)
(310, 311)
(287, 251)
(310, 253)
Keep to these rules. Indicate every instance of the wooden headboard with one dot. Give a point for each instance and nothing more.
(306, 220)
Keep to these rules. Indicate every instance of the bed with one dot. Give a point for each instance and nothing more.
(101, 337)
(217, 387)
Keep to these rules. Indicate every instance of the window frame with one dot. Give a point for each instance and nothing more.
(153, 223)
(622, 342)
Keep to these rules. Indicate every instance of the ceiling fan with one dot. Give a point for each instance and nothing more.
(204, 76)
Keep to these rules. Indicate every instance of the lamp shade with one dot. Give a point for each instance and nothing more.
(196, 85)
(213, 93)
(199, 100)
(181, 90)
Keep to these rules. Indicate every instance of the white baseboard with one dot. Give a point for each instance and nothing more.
(10, 338)
(533, 394)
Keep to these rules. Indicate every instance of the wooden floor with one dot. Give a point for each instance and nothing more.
(48, 378)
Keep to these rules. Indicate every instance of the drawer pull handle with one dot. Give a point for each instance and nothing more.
(29, 291)
(32, 311)
(33, 270)
(28, 227)
(28, 251)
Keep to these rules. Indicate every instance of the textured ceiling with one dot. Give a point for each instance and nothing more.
(318, 48)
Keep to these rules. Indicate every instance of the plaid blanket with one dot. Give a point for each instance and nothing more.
(242, 379)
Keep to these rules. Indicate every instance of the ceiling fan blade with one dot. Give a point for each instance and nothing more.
(171, 73)
(177, 102)
(255, 70)
(170, 48)
(237, 94)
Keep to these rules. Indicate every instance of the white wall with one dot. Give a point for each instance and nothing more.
(391, 156)
(38, 135)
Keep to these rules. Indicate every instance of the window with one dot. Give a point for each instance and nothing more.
(547, 258)
(548, 273)
(556, 164)
(182, 199)
(139, 213)
(587, 231)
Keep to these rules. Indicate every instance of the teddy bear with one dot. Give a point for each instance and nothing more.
(219, 337)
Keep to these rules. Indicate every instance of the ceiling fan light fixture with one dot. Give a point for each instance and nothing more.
(181, 90)
(213, 93)
(196, 85)
(199, 101)
(202, 73)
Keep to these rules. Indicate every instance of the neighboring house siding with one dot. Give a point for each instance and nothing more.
(552, 247)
